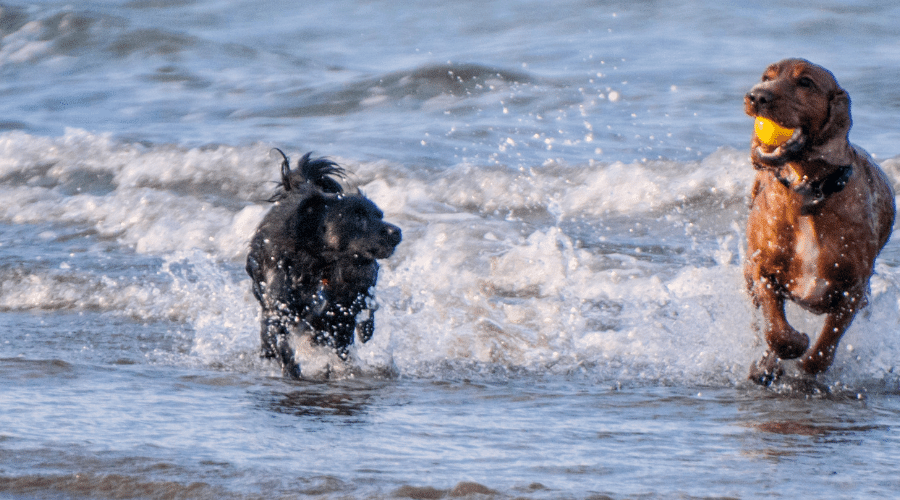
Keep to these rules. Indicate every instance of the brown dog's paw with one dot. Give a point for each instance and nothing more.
(767, 370)
(788, 344)
(817, 362)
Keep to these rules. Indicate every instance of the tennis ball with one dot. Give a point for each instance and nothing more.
(770, 132)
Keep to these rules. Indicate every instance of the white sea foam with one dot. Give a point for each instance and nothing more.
(491, 275)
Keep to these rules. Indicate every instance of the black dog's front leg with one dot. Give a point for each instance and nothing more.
(273, 297)
(269, 331)
(289, 366)
(276, 345)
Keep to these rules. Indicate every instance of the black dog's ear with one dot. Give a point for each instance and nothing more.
(308, 220)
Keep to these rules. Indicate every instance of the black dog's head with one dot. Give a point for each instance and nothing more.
(353, 226)
(336, 225)
(313, 259)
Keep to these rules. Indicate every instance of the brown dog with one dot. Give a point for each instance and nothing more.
(820, 212)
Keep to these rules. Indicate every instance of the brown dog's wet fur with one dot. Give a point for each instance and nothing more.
(821, 210)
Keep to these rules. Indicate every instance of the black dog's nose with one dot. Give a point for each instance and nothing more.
(392, 234)
(760, 97)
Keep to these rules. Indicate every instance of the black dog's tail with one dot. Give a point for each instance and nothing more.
(318, 171)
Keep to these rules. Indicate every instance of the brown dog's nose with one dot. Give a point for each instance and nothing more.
(760, 97)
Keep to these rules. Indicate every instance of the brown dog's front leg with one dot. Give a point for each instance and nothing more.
(821, 355)
(783, 340)
(767, 370)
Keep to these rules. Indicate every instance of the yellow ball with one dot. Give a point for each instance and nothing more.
(770, 132)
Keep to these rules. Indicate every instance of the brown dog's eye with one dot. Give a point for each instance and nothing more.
(805, 82)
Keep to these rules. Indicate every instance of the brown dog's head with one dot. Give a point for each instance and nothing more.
(800, 95)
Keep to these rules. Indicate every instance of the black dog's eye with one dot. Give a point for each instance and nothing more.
(805, 82)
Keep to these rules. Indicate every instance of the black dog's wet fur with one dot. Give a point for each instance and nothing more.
(313, 261)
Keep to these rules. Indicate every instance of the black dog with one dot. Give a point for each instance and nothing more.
(313, 262)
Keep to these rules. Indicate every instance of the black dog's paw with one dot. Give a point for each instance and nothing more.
(767, 370)
(365, 329)
(292, 371)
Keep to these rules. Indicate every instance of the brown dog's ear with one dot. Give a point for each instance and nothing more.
(833, 144)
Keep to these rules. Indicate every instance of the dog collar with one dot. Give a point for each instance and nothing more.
(818, 191)
(837, 181)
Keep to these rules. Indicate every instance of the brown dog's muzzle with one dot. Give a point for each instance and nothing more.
(758, 100)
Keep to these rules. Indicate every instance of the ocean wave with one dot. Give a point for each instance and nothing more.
(32, 35)
(412, 89)
(620, 271)
(164, 198)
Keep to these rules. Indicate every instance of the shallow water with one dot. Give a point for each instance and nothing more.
(565, 317)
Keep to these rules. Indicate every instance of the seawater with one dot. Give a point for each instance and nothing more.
(566, 317)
